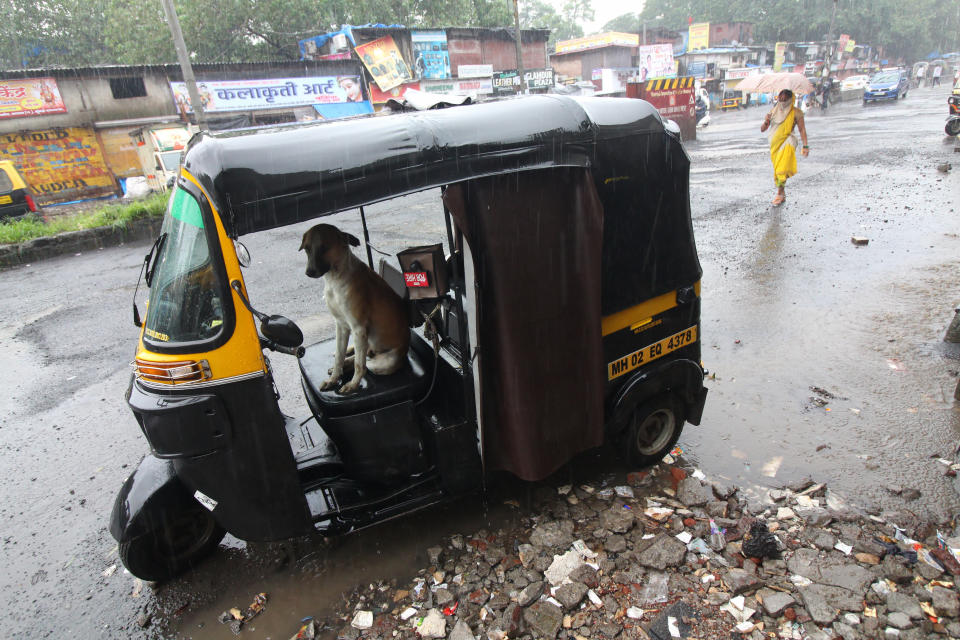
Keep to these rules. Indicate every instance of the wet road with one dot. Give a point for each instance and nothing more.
(789, 304)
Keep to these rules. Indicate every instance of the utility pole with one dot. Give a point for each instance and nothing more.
(829, 57)
(184, 60)
(516, 23)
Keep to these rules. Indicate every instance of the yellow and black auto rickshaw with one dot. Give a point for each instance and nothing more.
(15, 197)
(731, 100)
(563, 312)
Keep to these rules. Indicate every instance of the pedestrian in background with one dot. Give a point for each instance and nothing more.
(781, 121)
(937, 70)
(920, 71)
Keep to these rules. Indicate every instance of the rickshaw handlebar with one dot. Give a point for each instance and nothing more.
(273, 346)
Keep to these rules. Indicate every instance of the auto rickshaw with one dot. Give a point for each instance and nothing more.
(952, 127)
(563, 312)
(731, 100)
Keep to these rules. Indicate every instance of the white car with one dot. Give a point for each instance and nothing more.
(854, 83)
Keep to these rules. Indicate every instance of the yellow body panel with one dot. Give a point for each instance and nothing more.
(241, 355)
(16, 179)
(642, 313)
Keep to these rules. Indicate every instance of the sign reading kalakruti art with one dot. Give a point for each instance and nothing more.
(272, 93)
(30, 97)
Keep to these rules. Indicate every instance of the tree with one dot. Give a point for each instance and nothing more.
(626, 23)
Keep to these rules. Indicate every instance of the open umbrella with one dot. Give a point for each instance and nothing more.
(775, 83)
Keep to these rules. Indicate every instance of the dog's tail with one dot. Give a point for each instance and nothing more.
(387, 362)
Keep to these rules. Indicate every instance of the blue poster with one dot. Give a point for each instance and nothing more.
(430, 56)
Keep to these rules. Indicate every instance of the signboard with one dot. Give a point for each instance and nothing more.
(599, 40)
(379, 97)
(30, 97)
(539, 78)
(675, 99)
(740, 74)
(469, 87)
(384, 62)
(842, 42)
(849, 46)
(170, 138)
(698, 36)
(656, 61)
(779, 53)
(508, 82)
(474, 70)
(60, 164)
(431, 58)
(697, 69)
(272, 93)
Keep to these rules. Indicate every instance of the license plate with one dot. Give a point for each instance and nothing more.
(6, 199)
(651, 352)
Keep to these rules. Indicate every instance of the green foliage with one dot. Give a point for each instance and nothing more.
(625, 23)
(563, 25)
(909, 30)
(108, 215)
(91, 32)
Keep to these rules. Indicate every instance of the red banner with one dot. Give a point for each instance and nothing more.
(30, 97)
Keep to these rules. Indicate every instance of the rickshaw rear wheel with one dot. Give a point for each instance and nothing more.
(653, 431)
(953, 127)
(182, 536)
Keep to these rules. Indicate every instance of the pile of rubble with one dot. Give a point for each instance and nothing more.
(670, 556)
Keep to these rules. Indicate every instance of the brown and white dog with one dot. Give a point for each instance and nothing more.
(362, 304)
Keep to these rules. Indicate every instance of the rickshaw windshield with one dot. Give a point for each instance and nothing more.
(185, 303)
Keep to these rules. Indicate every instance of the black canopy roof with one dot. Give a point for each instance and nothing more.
(265, 178)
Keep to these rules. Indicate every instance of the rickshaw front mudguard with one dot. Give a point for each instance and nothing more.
(152, 488)
(682, 377)
(228, 442)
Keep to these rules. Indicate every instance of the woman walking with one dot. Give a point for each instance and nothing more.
(781, 121)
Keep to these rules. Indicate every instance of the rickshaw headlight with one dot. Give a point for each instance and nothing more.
(173, 372)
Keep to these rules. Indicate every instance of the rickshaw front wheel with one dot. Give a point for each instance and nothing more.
(179, 539)
(654, 429)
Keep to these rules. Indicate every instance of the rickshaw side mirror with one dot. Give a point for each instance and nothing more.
(281, 330)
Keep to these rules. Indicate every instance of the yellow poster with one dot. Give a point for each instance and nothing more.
(779, 52)
(850, 45)
(699, 37)
(599, 40)
(384, 62)
(59, 164)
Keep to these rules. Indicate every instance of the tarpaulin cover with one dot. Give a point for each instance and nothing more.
(536, 237)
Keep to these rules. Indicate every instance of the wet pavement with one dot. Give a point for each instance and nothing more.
(825, 359)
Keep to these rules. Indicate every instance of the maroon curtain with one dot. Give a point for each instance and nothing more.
(536, 240)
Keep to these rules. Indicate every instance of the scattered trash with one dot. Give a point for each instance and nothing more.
(759, 542)
(634, 613)
(699, 475)
(362, 620)
(307, 631)
(407, 613)
(895, 364)
(594, 598)
(717, 539)
(672, 627)
(684, 536)
(452, 609)
(859, 241)
(109, 571)
(564, 489)
(843, 548)
(581, 548)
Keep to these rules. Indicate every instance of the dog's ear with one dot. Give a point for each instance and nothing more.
(303, 243)
(351, 239)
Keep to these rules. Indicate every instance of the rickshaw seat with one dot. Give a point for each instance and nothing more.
(409, 383)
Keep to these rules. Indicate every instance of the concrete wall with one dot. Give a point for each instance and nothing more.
(582, 63)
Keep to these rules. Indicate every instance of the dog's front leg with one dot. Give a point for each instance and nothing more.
(359, 361)
(343, 336)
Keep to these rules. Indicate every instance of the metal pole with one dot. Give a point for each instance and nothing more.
(516, 23)
(184, 60)
(829, 56)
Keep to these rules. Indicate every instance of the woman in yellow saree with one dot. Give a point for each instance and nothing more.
(783, 142)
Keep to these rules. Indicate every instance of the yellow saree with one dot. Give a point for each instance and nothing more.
(783, 149)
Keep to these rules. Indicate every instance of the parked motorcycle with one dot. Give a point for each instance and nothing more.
(702, 113)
